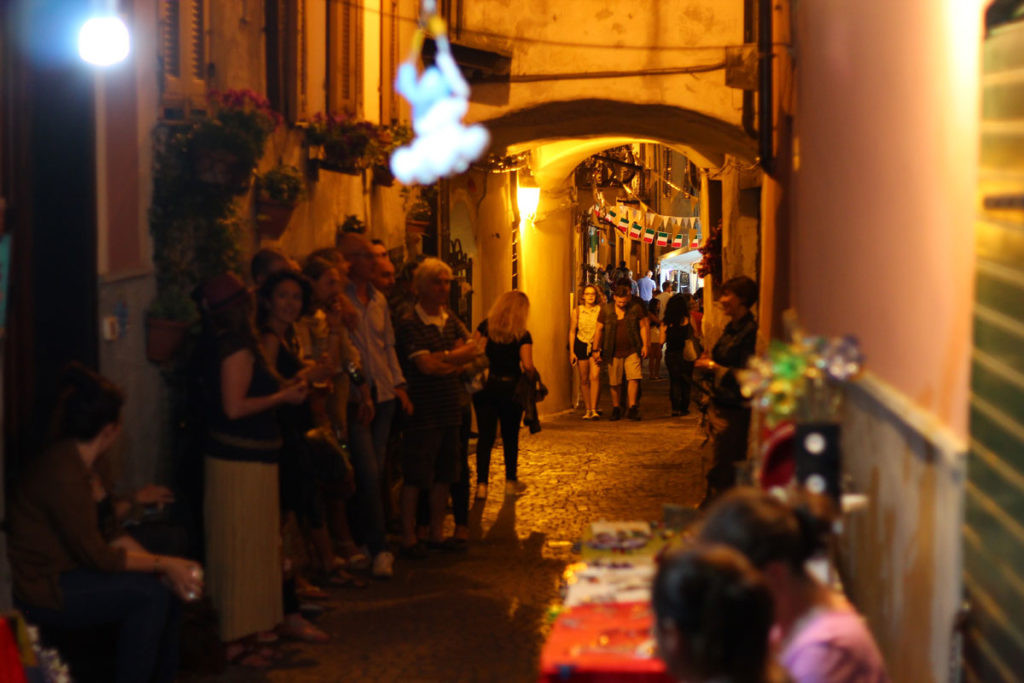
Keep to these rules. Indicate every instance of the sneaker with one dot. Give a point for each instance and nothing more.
(384, 565)
(616, 414)
(633, 414)
(514, 488)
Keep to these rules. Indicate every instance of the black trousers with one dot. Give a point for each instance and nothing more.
(490, 410)
(730, 430)
(680, 380)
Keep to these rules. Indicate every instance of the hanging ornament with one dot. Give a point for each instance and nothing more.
(440, 98)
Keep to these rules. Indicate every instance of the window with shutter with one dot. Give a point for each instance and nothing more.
(345, 57)
(183, 56)
(286, 56)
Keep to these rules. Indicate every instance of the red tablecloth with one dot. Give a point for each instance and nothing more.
(607, 642)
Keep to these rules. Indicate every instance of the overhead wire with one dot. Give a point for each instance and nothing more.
(541, 41)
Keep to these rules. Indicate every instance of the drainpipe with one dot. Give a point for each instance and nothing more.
(764, 109)
(749, 29)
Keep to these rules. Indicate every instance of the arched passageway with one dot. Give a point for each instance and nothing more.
(539, 256)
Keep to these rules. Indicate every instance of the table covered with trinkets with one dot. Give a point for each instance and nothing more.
(602, 631)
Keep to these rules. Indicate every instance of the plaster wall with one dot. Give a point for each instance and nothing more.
(547, 279)
(606, 36)
(884, 175)
(889, 189)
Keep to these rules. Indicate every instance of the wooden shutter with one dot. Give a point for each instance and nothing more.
(183, 56)
(994, 504)
(345, 56)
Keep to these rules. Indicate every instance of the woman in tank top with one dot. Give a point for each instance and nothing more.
(582, 328)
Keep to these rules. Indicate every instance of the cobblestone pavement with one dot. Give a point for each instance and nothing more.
(482, 616)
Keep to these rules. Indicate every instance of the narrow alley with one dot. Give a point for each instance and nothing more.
(492, 603)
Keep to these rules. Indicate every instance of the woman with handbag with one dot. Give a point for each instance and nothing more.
(582, 328)
(509, 353)
(680, 352)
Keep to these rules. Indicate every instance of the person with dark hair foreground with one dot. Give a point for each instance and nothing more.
(65, 575)
(729, 419)
(820, 637)
(712, 617)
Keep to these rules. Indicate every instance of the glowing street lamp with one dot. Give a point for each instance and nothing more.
(104, 41)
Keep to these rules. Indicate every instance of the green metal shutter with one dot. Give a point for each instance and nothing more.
(994, 514)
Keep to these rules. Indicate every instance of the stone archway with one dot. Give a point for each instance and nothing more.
(560, 135)
(710, 137)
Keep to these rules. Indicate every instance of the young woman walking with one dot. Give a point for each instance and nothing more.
(582, 328)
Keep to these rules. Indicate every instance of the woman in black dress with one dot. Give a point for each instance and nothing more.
(510, 354)
(678, 331)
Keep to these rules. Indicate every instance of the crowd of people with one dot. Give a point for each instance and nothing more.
(330, 400)
(334, 401)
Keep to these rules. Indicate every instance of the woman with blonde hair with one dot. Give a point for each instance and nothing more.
(510, 353)
(582, 329)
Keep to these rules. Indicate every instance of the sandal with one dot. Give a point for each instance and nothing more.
(248, 655)
(342, 579)
(307, 591)
(302, 631)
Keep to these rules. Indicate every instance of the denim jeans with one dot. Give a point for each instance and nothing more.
(147, 614)
(368, 446)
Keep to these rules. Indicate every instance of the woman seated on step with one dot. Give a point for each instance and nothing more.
(66, 576)
(818, 636)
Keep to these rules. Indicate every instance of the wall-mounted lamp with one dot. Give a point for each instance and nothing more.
(527, 197)
(104, 41)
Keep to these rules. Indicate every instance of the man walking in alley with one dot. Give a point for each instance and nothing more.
(621, 341)
(375, 339)
(646, 285)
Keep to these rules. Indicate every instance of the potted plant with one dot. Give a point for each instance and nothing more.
(387, 140)
(280, 189)
(352, 223)
(339, 142)
(226, 146)
(168, 321)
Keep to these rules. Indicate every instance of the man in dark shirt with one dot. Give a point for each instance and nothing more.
(435, 345)
(621, 341)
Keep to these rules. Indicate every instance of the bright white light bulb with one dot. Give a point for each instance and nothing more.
(103, 41)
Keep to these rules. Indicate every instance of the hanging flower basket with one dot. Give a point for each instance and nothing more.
(339, 143)
(383, 176)
(164, 338)
(272, 217)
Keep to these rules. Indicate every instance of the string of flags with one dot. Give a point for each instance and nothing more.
(649, 227)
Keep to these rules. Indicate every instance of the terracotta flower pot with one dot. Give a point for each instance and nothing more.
(272, 217)
(164, 338)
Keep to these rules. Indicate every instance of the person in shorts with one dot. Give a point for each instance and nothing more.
(620, 342)
(435, 345)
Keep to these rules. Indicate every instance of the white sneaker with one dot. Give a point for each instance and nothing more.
(384, 565)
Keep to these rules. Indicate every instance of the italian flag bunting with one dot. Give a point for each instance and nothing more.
(635, 231)
(662, 240)
(649, 235)
(677, 242)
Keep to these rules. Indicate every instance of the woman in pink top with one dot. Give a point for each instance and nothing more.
(818, 636)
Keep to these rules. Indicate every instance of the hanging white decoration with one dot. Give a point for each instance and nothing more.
(439, 97)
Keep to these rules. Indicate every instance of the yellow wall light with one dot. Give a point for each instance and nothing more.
(527, 199)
